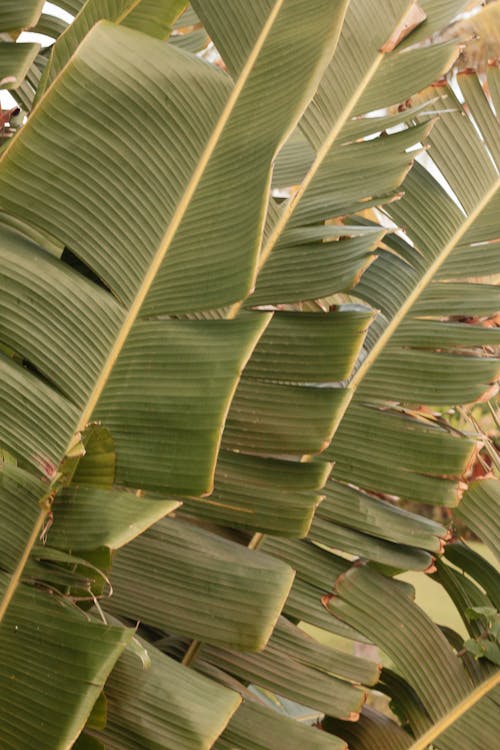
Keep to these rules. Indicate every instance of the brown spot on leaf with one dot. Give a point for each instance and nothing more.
(413, 18)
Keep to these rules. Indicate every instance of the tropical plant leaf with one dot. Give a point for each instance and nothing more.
(15, 15)
(15, 61)
(58, 640)
(316, 570)
(394, 368)
(184, 580)
(459, 709)
(85, 742)
(71, 6)
(349, 507)
(109, 267)
(153, 17)
(256, 727)
(152, 706)
(373, 731)
(466, 559)
(479, 509)
(327, 124)
(386, 553)
(300, 669)
(89, 517)
(50, 25)
(262, 494)
(150, 173)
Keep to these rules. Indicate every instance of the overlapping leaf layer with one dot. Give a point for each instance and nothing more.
(178, 240)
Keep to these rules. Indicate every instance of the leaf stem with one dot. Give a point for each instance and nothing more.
(191, 653)
(448, 719)
(19, 570)
(256, 540)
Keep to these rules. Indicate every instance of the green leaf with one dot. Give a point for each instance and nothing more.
(264, 494)
(479, 509)
(54, 665)
(85, 742)
(97, 718)
(346, 506)
(139, 278)
(256, 727)
(477, 567)
(414, 644)
(400, 453)
(276, 419)
(349, 540)
(316, 570)
(97, 466)
(88, 517)
(50, 25)
(16, 15)
(308, 348)
(187, 581)
(15, 61)
(292, 679)
(373, 731)
(19, 495)
(464, 594)
(153, 17)
(165, 705)
(459, 709)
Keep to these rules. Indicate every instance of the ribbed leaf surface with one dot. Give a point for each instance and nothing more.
(472, 563)
(250, 492)
(15, 61)
(349, 507)
(356, 543)
(127, 182)
(51, 26)
(150, 705)
(403, 455)
(415, 645)
(256, 727)
(19, 495)
(480, 511)
(184, 580)
(153, 17)
(19, 14)
(105, 314)
(373, 731)
(54, 665)
(310, 678)
(460, 709)
(90, 517)
(157, 184)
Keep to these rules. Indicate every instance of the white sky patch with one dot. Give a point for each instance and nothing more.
(6, 99)
(55, 11)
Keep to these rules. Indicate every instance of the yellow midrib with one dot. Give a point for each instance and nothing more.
(459, 710)
(147, 281)
(128, 11)
(177, 218)
(322, 153)
(421, 286)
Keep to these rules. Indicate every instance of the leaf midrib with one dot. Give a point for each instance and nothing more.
(288, 212)
(176, 220)
(456, 712)
(322, 153)
(419, 288)
(157, 260)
